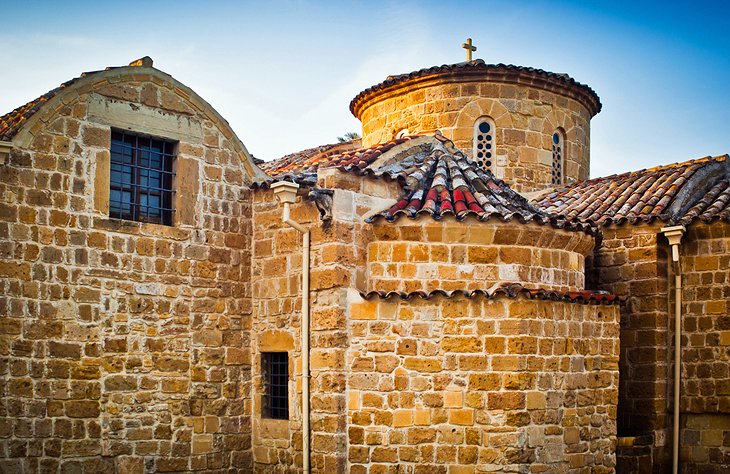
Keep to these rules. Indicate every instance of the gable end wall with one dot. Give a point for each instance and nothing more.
(123, 346)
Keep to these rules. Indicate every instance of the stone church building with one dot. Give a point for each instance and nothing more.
(452, 294)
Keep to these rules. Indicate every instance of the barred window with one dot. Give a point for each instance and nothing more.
(484, 148)
(141, 180)
(275, 367)
(558, 153)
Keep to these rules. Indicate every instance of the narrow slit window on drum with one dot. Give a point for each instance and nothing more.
(484, 150)
(558, 153)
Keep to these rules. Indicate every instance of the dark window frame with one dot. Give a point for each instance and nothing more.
(275, 376)
(484, 143)
(142, 178)
(557, 169)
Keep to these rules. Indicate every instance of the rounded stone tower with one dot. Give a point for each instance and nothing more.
(527, 126)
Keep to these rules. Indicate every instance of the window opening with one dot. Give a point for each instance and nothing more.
(558, 151)
(484, 143)
(275, 367)
(141, 179)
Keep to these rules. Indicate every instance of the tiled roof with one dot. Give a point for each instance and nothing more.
(11, 122)
(440, 180)
(497, 72)
(674, 193)
(309, 159)
(302, 167)
(437, 180)
(715, 204)
(509, 290)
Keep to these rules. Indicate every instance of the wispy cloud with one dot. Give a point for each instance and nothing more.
(283, 73)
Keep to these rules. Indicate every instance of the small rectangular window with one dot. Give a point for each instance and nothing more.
(275, 367)
(141, 179)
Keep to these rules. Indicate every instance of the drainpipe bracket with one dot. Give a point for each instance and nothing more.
(674, 236)
(674, 233)
(286, 191)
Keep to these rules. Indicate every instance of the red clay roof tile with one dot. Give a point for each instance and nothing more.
(485, 72)
(672, 193)
(11, 122)
(509, 290)
(309, 159)
(297, 166)
(437, 180)
(713, 205)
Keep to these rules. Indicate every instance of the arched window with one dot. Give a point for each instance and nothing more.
(484, 149)
(558, 153)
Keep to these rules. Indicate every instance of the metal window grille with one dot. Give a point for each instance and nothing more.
(557, 169)
(275, 367)
(484, 131)
(141, 179)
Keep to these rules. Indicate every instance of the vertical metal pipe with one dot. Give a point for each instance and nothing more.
(674, 236)
(305, 353)
(677, 372)
(286, 217)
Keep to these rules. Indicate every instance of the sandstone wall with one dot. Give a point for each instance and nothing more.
(525, 118)
(460, 386)
(632, 263)
(705, 404)
(124, 346)
(340, 252)
(337, 265)
(471, 255)
(276, 276)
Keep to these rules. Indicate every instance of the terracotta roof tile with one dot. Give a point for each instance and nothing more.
(678, 192)
(437, 180)
(499, 72)
(308, 159)
(441, 180)
(444, 181)
(713, 205)
(302, 167)
(509, 290)
(11, 122)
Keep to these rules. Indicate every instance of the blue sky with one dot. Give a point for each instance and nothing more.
(283, 73)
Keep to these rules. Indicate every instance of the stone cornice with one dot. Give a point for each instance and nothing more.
(91, 81)
(5, 148)
(478, 71)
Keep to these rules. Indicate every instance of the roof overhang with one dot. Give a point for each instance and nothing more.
(88, 82)
(478, 71)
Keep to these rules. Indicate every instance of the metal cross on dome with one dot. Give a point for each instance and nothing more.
(469, 48)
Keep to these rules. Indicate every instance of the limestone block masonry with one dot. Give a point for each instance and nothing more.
(130, 347)
(437, 385)
(527, 107)
(124, 347)
(465, 386)
(472, 255)
(705, 406)
(634, 260)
